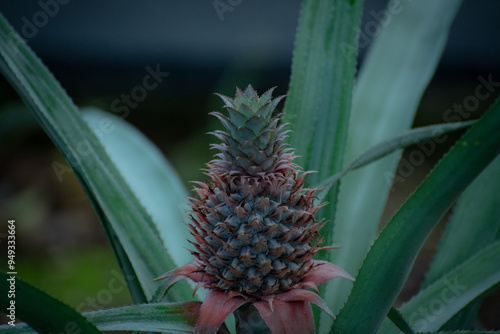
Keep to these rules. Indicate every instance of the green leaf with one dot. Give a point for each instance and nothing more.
(381, 150)
(439, 301)
(111, 196)
(392, 80)
(390, 259)
(152, 179)
(464, 332)
(397, 319)
(320, 91)
(473, 226)
(168, 318)
(42, 312)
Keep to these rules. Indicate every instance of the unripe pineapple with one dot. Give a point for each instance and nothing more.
(253, 223)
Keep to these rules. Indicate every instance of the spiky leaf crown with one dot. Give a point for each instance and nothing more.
(253, 222)
(253, 141)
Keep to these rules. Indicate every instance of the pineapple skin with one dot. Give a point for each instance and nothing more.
(253, 222)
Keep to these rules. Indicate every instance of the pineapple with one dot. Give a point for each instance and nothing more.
(253, 224)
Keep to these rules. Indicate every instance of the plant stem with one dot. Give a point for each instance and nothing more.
(249, 321)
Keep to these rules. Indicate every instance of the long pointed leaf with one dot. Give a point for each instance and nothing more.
(475, 224)
(390, 259)
(42, 312)
(398, 319)
(397, 70)
(439, 301)
(381, 150)
(168, 318)
(152, 179)
(111, 195)
(320, 91)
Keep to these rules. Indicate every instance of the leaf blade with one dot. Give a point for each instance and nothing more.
(161, 317)
(472, 227)
(109, 193)
(398, 319)
(42, 312)
(320, 91)
(392, 80)
(452, 291)
(398, 244)
(151, 178)
(385, 148)
(318, 98)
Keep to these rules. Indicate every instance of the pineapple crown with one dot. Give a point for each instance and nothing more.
(253, 142)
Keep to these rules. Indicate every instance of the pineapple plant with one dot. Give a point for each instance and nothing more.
(230, 264)
(254, 226)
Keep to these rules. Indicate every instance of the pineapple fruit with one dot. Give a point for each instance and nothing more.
(253, 223)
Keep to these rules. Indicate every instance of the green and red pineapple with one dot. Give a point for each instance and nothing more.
(254, 227)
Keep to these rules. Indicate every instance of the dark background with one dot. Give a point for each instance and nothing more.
(100, 50)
